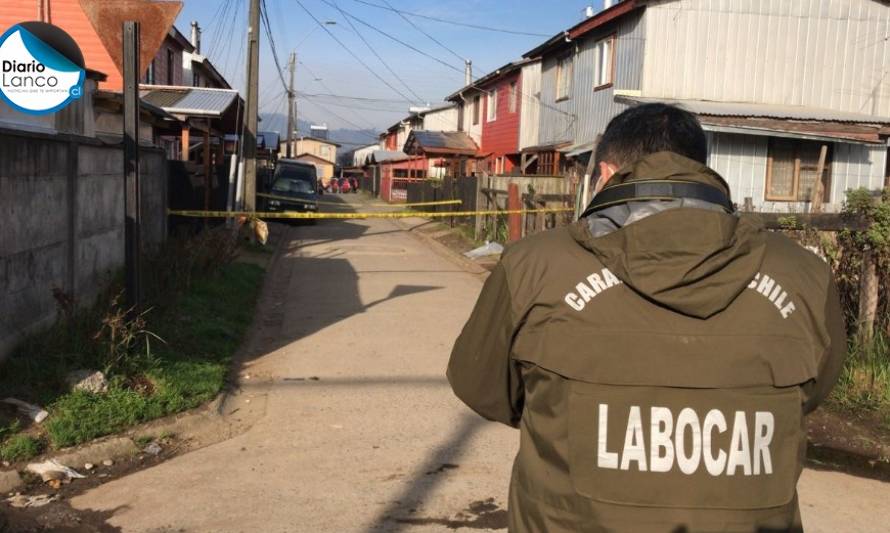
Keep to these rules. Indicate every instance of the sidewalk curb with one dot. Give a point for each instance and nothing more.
(193, 424)
(873, 467)
(442, 250)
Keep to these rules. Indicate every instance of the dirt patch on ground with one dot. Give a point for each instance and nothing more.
(856, 443)
(484, 514)
(58, 515)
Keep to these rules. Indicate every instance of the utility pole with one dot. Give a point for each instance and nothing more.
(132, 195)
(250, 126)
(468, 72)
(291, 103)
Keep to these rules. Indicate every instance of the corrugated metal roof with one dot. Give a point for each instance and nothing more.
(379, 156)
(190, 100)
(451, 141)
(741, 109)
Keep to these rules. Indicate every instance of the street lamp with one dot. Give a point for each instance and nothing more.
(326, 23)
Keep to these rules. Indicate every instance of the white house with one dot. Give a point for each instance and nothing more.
(776, 84)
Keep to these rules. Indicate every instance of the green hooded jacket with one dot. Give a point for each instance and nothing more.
(659, 359)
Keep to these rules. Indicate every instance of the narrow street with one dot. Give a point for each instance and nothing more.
(359, 430)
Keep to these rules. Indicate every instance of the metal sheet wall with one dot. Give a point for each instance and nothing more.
(441, 120)
(586, 112)
(742, 161)
(819, 53)
(530, 112)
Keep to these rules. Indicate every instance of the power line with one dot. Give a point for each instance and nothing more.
(358, 98)
(267, 26)
(365, 108)
(220, 9)
(373, 51)
(353, 54)
(418, 28)
(363, 131)
(396, 39)
(452, 22)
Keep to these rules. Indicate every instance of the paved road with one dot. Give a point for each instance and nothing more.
(376, 442)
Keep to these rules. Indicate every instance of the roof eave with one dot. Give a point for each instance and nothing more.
(582, 28)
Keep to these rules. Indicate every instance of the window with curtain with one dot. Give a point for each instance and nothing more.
(603, 51)
(793, 170)
(513, 97)
(563, 77)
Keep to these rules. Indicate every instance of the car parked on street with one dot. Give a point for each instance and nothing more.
(294, 187)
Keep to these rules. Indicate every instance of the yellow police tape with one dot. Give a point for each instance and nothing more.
(342, 216)
(337, 204)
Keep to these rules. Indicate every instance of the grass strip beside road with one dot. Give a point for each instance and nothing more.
(201, 327)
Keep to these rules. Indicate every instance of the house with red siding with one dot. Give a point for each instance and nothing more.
(496, 103)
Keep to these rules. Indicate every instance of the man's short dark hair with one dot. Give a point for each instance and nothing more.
(649, 128)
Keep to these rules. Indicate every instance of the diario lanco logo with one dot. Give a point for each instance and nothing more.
(41, 68)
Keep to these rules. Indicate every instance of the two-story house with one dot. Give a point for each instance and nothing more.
(320, 152)
(784, 89)
(197, 69)
(498, 111)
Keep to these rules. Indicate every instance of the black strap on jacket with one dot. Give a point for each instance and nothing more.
(658, 190)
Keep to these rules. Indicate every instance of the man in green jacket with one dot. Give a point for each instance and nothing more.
(659, 355)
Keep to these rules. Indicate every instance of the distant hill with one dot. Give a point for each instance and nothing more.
(350, 139)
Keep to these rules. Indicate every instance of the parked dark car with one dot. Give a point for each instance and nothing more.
(294, 187)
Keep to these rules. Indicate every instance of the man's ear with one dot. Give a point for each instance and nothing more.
(606, 171)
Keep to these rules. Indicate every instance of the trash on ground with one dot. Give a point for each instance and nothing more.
(34, 412)
(108, 462)
(53, 470)
(489, 248)
(21, 501)
(89, 466)
(153, 449)
(87, 380)
(261, 230)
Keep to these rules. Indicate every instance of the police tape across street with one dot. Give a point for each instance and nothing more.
(338, 204)
(347, 216)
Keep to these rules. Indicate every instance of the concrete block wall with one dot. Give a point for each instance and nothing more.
(62, 225)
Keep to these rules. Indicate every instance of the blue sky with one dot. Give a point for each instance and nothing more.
(325, 67)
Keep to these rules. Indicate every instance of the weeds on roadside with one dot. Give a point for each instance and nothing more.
(200, 304)
(20, 448)
(125, 344)
(864, 384)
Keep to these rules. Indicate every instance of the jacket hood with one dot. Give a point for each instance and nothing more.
(693, 259)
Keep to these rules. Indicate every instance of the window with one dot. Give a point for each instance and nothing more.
(492, 111)
(512, 96)
(563, 77)
(548, 163)
(326, 152)
(604, 61)
(792, 170)
(477, 103)
(196, 80)
(150, 75)
(171, 67)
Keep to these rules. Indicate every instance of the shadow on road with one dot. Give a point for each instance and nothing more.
(427, 476)
(313, 266)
